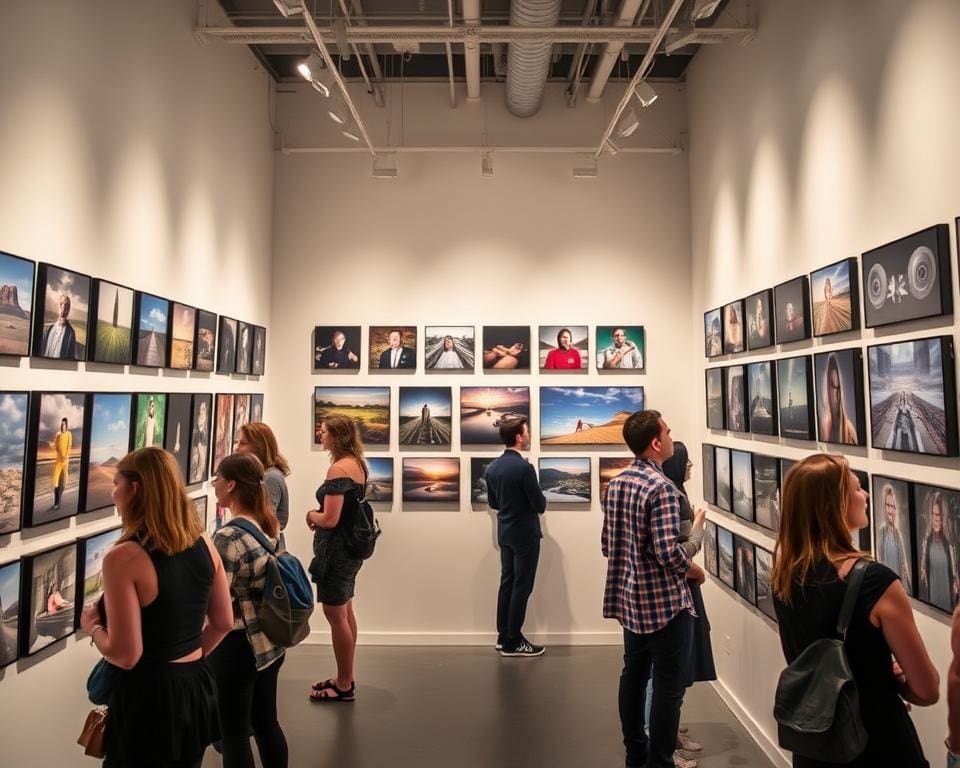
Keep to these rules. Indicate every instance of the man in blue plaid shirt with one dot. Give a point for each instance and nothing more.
(647, 592)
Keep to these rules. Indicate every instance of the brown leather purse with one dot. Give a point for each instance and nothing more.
(91, 737)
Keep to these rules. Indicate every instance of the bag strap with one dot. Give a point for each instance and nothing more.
(259, 535)
(854, 580)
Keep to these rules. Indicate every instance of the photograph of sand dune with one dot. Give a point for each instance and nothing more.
(55, 458)
(484, 409)
(586, 415)
(369, 407)
(13, 448)
(16, 304)
(109, 442)
(425, 416)
(834, 291)
(431, 479)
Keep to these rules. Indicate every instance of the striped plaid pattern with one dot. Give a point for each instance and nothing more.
(245, 563)
(646, 564)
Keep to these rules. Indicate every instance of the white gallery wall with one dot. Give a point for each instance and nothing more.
(833, 132)
(128, 151)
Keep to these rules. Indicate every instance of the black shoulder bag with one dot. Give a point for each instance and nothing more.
(817, 703)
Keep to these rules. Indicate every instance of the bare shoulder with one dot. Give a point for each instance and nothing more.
(346, 467)
(125, 555)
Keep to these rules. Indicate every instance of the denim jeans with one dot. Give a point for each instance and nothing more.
(953, 760)
(518, 568)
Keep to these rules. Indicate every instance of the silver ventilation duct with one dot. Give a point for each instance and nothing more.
(528, 63)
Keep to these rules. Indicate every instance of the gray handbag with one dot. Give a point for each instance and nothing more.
(817, 705)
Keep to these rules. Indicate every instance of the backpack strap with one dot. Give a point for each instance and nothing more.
(854, 580)
(260, 536)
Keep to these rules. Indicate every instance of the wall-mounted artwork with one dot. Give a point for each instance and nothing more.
(109, 430)
(222, 430)
(610, 467)
(715, 402)
(61, 313)
(909, 278)
(199, 504)
(151, 418)
(336, 347)
(764, 589)
(206, 343)
(792, 305)
(864, 537)
(426, 416)
(369, 407)
(111, 340)
(741, 465)
(735, 396)
(795, 401)
(785, 466)
(380, 480)
(431, 479)
(564, 347)
(449, 348)
(92, 551)
(506, 347)
(893, 534)
(56, 449)
(710, 547)
(712, 333)
(176, 439)
(936, 534)
(244, 347)
(241, 413)
(722, 463)
(151, 324)
(484, 409)
(762, 398)
(746, 578)
(48, 598)
(586, 415)
(913, 399)
(259, 362)
(393, 347)
(725, 556)
(836, 298)
(9, 612)
(759, 325)
(16, 305)
(709, 472)
(766, 491)
(733, 340)
(183, 332)
(839, 384)
(200, 438)
(256, 407)
(565, 479)
(227, 345)
(620, 347)
(478, 482)
(13, 450)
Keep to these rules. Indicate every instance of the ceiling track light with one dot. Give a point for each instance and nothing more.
(486, 165)
(703, 9)
(289, 8)
(310, 67)
(628, 123)
(612, 148)
(351, 131)
(588, 171)
(385, 166)
(645, 93)
(338, 112)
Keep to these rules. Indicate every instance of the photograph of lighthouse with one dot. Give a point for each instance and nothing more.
(113, 324)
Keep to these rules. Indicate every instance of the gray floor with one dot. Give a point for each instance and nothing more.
(465, 707)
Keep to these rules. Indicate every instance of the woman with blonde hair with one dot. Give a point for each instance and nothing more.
(333, 569)
(258, 439)
(822, 502)
(161, 581)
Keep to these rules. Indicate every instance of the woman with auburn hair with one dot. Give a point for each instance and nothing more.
(161, 580)
(258, 439)
(333, 570)
(822, 502)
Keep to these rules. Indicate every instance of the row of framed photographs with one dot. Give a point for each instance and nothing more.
(73, 316)
(59, 450)
(453, 348)
(568, 415)
(741, 565)
(912, 390)
(907, 279)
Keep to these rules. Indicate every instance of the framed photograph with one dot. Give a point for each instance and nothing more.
(766, 491)
(9, 612)
(709, 470)
(909, 278)
(566, 479)
(369, 407)
(735, 392)
(16, 308)
(61, 313)
(92, 551)
(176, 440)
(742, 481)
(241, 413)
(733, 340)
(449, 348)
(151, 418)
(712, 333)
(586, 415)
(864, 537)
(764, 588)
(259, 363)
(111, 340)
(564, 347)
(610, 467)
(478, 480)
(244, 347)
(484, 409)
(836, 298)
(434, 479)
(795, 401)
(206, 342)
(913, 397)
(152, 316)
(716, 405)
(785, 466)
(336, 347)
(619, 347)
(109, 430)
(746, 577)
(792, 302)
(710, 547)
(426, 416)
(759, 327)
(199, 504)
(380, 481)
(48, 598)
(222, 430)
(762, 398)
(227, 345)
(722, 463)
(725, 556)
(506, 347)
(14, 407)
(183, 332)
(55, 453)
(936, 533)
(256, 407)
(840, 413)
(892, 529)
(198, 469)
(393, 347)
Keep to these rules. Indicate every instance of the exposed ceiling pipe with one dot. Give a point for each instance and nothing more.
(453, 89)
(578, 64)
(371, 53)
(611, 51)
(471, 48)
(528, 63)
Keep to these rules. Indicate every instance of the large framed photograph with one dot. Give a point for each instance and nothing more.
(48, 598)
(380, 480)
(864, 537)
(259, 363)
(909, 278)
(586, 415)
(746, 578)
(566, 479)
(484, 409)
(199, 504)
(725, 565)
(426, 416)
(709, 472)
(506, 347)
(836, 298)
(936, 533)
(92, 551)
(16, 306)
(742, 480)
(336, 348)
(150, 420)
(197, 471)
(792, 305)
(206, 342)
(722, 463)
(111, 340)
(55, 456)
(393, 347)
(176, 440)
(795, 397)
(244, 347)
(61, 313)
(151, 320)
(759, 327)
(733, 340)
(892, 529)
(610, 467)
(478, 480)
(227, 345)
(14, 407)
(619, 347)
(913, 398)
(109, 431)
(431, 479)
(716, 405)
(710, 547)
(735, 393)
(223, 437)
(712, 333)
(369, 407)
(183, 332)
(9, 612)
(764, 587)
(766, 491)
(449, 348)
(762, 398)
(840, 413)
(564, 347)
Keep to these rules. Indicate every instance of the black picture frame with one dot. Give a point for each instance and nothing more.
(835, 298)
(762, 414)
(745, 569)
(14, 423)
(381, 355)
(709, 471)
(77, 286)
(92, 545)
(244, 348)
(178, 430)
(370, 407)
(256, 406)
(735, 398)
(724, 478)
(864, 537)
(200, 505)
(840, 407)
(899, 556)
(766, 491)
(258, 365)
(149, 341)
(725, 557)
(714, 385)
(710, 547)
(741, 484)
(111, 330)
(764, 568)
(226, 344)
(327, 358)
(41, 572)
(478, 483)
(791, 301)
(109, 434)
(795, 397)
(713, 332)
(182, 336)
(582, 416)
(222, 435)
(11, 573)
(381, 480)
(759, 320)
(425, 425)
(505, 337)
(201, 432)
(17, 284)
(733, 328)
(937, 552)
(205, 345)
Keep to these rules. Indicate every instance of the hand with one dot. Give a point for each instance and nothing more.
(89, 618)
(515, 349)
(899, 673)
(699, 518)
(352, 357)
(696, 574)
(312, 522)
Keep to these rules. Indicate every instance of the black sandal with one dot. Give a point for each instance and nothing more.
(322, 686)
(323, 695)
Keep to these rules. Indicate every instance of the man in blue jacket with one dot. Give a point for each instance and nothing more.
(513, 490)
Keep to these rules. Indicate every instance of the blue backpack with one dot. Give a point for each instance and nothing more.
(287, 604)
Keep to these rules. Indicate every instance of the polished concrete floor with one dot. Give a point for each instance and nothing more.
(465, 707)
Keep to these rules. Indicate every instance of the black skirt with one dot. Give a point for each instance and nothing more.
(700, 667)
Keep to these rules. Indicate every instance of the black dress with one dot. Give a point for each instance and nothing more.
(332, 569)
(892, 737)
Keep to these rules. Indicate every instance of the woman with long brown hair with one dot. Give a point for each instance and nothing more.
(258, 439)
(161, 580)
(333, 570)
(822, 502)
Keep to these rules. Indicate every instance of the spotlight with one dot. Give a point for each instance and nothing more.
(645, 93)
(289, 8)
(338, 112)
(628, 123)
(385, 166)
(703, 9)
(310, 67)
(612, 148)
(351, 133)
(588, 171)
(486, 165)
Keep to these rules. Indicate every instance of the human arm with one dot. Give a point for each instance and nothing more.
(664, 529)
(551, 362)
(275, 486)
(695, 540)
(219, 606)
(329, 516)
(696, 574)
(122, 644)
(531, 486)
(903, 559)
(953, 687)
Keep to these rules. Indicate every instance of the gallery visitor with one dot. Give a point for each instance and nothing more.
(822, 502)
(953, 695)
(258, 439)
(565, 356)
(621, 353)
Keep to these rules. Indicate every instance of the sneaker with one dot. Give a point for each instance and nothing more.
(523, 648)
(682, 762)
(688, 745)
(498, 646)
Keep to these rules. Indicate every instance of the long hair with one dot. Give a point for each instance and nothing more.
(160, 516)
(812, 520)
(838, 420)
(265, 447)
(346, 440)
(246, 472)
(675, 468)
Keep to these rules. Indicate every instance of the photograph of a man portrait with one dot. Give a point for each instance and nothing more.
(620, 347)
(393, 347)
(56, 449)
(61, 313)
(506, 347)
(564, 347)
(336, 347)
(259, 364)
(893, 536)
